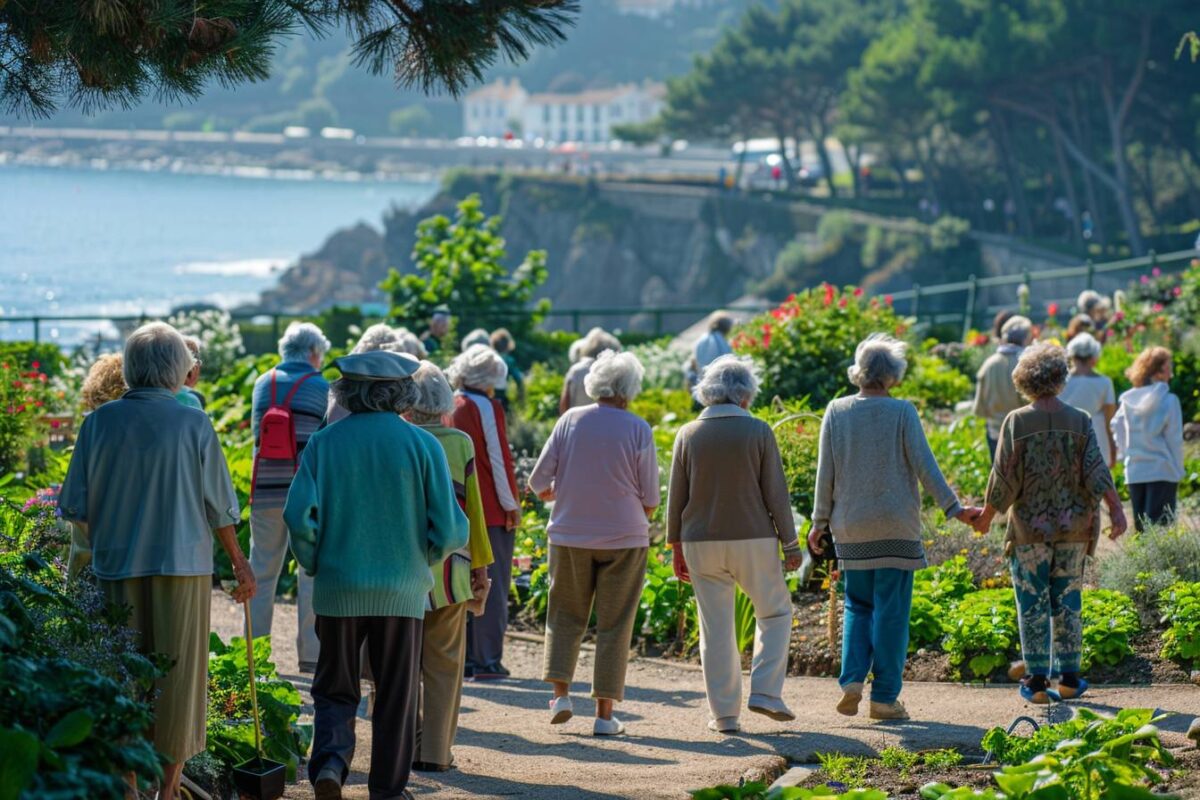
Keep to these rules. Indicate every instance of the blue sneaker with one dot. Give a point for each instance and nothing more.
(1074, 692)
(1035, 689)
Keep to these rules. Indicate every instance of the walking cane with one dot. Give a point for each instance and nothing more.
(258, 778)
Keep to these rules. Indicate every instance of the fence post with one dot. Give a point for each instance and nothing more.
(1153, 261)
(1091, 274)
(969, 317)
(275, 327)
(916, 301)
(37, 330)
(575, 320)
(658, 320)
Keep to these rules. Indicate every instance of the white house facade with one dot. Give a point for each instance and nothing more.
(587, 116)
(491, 110)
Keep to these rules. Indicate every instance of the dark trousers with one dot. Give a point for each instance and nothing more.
(993, 445)
(393, 647)
(485, 635)
(1153, 503)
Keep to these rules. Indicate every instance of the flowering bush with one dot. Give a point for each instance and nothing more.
(664, 366)
(24, 394)
(220, 339)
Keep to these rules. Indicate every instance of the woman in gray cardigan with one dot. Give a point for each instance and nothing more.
(728, 513)
(871, 465)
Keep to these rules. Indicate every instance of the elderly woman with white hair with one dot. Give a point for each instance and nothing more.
(294, 388)
(147, 488)
(599, 469)
(728, 514)
(379, 336)
(1092, 392)
(574, 393)
(1049, 476)
(872, 463)
(995, 394)
(474, 374)
(460, 579)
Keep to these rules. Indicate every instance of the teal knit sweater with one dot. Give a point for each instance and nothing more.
(370, 510)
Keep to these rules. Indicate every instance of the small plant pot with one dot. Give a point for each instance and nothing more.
(260, 779)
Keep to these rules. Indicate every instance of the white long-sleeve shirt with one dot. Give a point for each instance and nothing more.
(1148, 431)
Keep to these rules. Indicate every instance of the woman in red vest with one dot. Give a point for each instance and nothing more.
(474, 374)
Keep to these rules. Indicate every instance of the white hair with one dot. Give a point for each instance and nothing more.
(573, 350)
(301, 340)
(376, 337)
(435, 398)
(1016, 330)
(479, 367)
(1083, 347)
(614, 374)
(409, 342)
(728, 379)
(193, 344)
(156, 356)
(477, 336)
(879, 362)
(1089, 300)
(597, 341)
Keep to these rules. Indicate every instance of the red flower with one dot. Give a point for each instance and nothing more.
(766, 328)
(779, 313)
(887, 298)
(791, 298)
(55, 424)
(842, 303)
(1052, 309)
(21, 408)
(766, 339)
(858, 292)
(35, 365)
(980, 340)
(828, 293)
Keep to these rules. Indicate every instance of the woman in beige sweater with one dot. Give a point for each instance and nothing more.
(728, 514)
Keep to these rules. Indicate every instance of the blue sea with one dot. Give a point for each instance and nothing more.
(114, 242)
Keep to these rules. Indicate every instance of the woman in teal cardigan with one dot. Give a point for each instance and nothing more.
(370, 510)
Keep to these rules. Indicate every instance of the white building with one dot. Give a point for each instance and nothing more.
(587, 116)
(492, 110)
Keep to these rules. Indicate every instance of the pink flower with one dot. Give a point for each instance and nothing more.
(1156, 272)
(842, 303)
(887, 298)
(828, 293)
(766, 328)
(1158, 307)
(1145, 279)
(1178, 290)
(858, 292)
(766, 339)
(35, 365)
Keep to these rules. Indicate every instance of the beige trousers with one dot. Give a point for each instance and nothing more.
(610, 581)
(754, 565)
(443, 654)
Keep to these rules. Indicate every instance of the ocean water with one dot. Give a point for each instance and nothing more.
(113, 242)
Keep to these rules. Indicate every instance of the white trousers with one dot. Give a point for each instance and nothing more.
(755, 566)
(268, 551)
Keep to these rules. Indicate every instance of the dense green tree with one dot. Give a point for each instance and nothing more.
(108, 53)
(461, 263)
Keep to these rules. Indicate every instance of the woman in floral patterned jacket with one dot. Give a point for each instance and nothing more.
(1049, 475)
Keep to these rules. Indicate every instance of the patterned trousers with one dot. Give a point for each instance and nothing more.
(1048, 579)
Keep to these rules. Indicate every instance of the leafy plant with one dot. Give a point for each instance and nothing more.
(1110, 621)
(924, 623)
(230, 719)
(744, 624)
(941, 759)
(1147, 565)
(961, 452)
(898, 758)
(1088, 726)
(1181, 612)
(981, 632)
(220, 339)
(932, 384)
(666, 614)
(845, 769)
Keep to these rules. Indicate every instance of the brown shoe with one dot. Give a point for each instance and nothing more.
(851, 697)
(894, 710)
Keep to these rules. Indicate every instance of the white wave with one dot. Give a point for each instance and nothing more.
(246, 267)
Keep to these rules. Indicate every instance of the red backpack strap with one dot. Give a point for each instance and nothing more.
(272, 389)
(287, 401)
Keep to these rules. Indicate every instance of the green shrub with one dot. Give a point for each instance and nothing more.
(657, 406)
(1110, 621)
(932, 384)
(666, 614)
(924, 623)
(1087, 726)
(798, 433)
(1181, 612)
(1148, 564)
(961, 452)
(935, 590)
(543, 388)
(981, 632)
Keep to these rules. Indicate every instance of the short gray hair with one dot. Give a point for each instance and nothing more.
(727, 379)
(376, 337)
(360, 397)
(435, 398)
(1041, 371)
(156, 356)
(614, 374)
(721, 322)
(1083, 347)
(409, 342)
(1089, 300)
(1017, 330)
(193, 345)
(300, 340)
(477, 336)
(597, 341)
(479, 366)
(879, 362)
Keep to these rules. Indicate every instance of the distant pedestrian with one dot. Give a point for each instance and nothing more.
(574, 392)
(1049, 477)
(1096, 307)
(1148, 429)
(474, 375)
(296, 390)
(477, 336)
(503, 343)
(1080, 323)
(600, 470)
(715, 343)
(728, 515)
(995, 394)
(188, 394)
(1092, 392)
(439, 328)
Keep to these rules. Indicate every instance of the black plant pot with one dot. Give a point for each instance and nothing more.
(260, 779)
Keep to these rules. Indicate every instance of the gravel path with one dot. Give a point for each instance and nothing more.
(506, 748)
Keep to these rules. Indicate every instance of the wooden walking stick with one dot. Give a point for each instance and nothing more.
(258, 778)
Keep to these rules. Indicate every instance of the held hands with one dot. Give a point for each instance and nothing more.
(546, 496)
(793, 563)
(681, 567)
(246, 584)
(978, 518)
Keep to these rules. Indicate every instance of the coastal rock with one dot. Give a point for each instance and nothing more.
(346, 269)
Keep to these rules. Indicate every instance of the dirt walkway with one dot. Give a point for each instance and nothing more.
(506, 748)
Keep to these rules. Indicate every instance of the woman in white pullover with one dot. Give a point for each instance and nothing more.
(1148, 430)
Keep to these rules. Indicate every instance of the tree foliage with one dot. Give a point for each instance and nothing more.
(461, 263)
(109, 53)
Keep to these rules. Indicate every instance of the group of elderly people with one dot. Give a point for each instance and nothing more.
(401, 503)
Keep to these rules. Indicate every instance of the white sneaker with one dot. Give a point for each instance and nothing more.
(724, 725)
(607, 727)
(772, 707)
(561, 710)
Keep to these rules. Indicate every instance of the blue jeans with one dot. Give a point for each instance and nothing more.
(875, 633)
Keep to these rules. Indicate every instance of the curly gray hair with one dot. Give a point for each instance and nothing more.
(157, 356)
(301, 340)
(1041, 371)
(1017, 330)
(879, 362)
(597, 341)
(614, 374)
(361, 397)
(435, 398)
(728, 379)
(377, 337)
(479, 367)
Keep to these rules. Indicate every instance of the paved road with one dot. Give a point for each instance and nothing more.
(506, 748)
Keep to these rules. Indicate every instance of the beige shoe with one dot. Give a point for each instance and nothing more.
(851, 697)
(894, 710)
